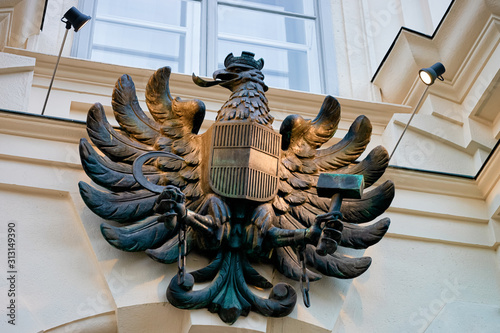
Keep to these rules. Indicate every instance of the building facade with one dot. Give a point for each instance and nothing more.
(436, 270)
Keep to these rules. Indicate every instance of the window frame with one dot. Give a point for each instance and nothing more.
(209, 38)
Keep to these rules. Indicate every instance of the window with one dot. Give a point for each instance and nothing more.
(196, 35)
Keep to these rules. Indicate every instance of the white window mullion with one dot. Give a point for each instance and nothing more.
(141, 24)
(326, 49)
(264, 9)
(210, 47)
(82, 41)
(193, 37)
(314, 64)
(264, 42)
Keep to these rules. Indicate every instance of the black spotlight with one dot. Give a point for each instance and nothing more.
(430, 74)
(74, 18)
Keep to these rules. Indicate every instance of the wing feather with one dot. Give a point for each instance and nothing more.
(296, 198)
(193, 191)
(372, 204)
(190, 173)
(112, 175)
(129, 114)
(303, 215)
(163, 108)
(169, 252)
(319, 202)
(147, 234)
(348, 149)
(280, 204)
(173, 178)
(336, 265)
(361, 237)
(113, 144)
(118, 206)
(158, 96)
(324, 126)
(287, 221)
(372, 167)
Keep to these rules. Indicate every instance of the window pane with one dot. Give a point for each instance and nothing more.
(148, 34)
(286, 69)
(293, 6)
(288, 45)
(139, 41)
(132, 60)
(154, 33)
(275, 27)
(172, 12)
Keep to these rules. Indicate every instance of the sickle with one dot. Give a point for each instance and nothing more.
(139, 176)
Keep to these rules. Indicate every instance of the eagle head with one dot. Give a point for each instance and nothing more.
(237, 71)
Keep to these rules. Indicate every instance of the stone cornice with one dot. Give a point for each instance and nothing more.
(70, 131)
(489, 176)
(89, 77)
(42, 127)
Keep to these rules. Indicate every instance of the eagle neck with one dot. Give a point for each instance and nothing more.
(247, 102)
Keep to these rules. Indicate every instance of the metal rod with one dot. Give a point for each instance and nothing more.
(409, 121)
(55, 69)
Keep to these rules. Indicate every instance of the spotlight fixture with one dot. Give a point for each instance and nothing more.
(73, 18)
(428, 76)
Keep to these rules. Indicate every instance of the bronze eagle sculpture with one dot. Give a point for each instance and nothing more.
(239, 193)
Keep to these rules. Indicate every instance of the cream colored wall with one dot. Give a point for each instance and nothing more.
(438, 261)
(364, 31)
(458, 119)
(437, 269)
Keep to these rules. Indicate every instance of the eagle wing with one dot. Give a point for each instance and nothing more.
(173, 129)
(297, 203)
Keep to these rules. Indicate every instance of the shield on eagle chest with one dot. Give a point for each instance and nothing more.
(244, 160)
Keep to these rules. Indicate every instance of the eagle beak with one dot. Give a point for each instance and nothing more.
(203, 83)
(220, 76)
(223, 76)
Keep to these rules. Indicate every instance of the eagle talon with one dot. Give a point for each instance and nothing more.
(171, 201)
(313, 234)
(331, 232)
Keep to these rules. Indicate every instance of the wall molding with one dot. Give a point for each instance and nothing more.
(87, 77)
(432, 198)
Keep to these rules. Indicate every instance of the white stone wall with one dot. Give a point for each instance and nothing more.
(438, 261)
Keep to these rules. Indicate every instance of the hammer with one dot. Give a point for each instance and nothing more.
(336, 187)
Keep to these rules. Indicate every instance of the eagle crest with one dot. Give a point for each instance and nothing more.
(171, 201)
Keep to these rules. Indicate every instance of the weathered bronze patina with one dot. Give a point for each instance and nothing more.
(240, 193)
